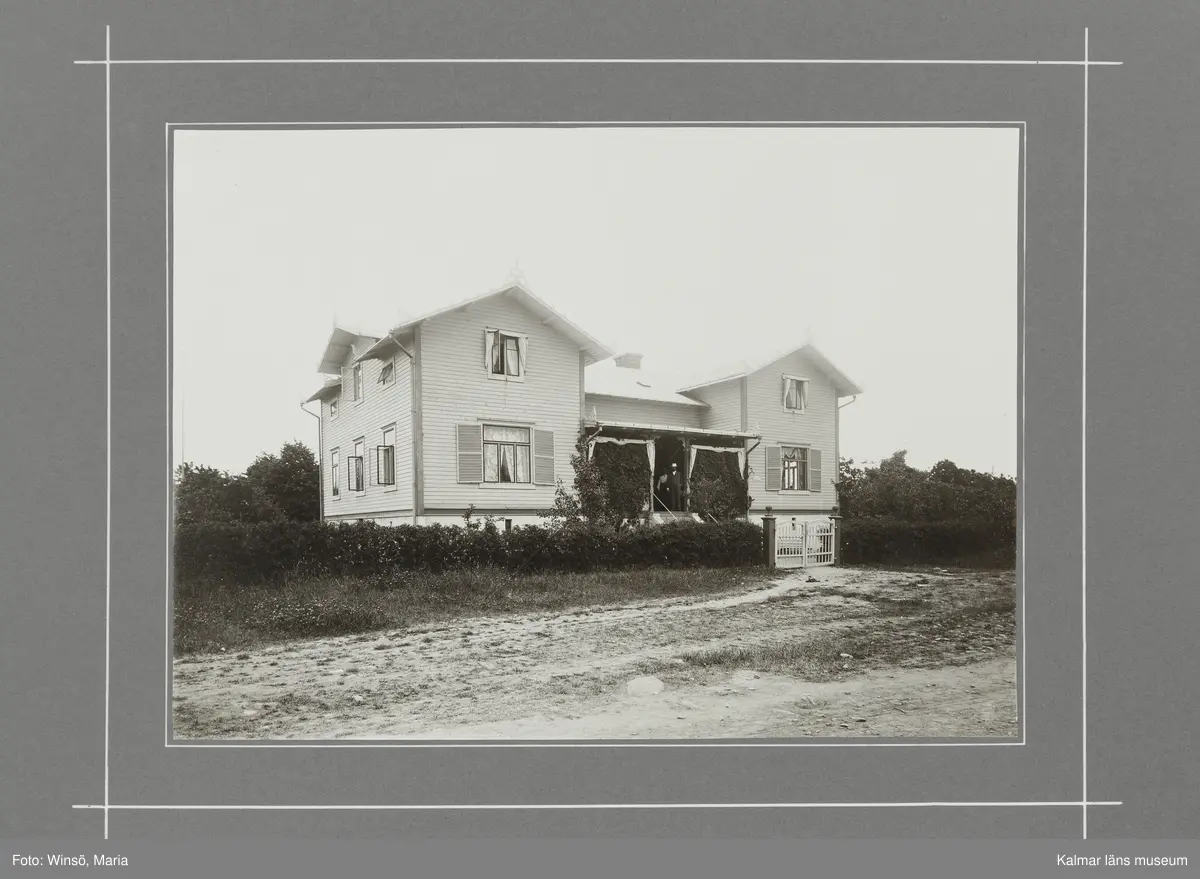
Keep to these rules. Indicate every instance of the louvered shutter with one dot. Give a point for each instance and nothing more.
(522, 349)
(489, 341)
(470, 453)
(543, 457)
(773, 469)
(814, 469)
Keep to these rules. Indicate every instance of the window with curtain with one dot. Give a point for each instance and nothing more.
(506, 454)
(793, 469)
(795, 394)
(506, 355)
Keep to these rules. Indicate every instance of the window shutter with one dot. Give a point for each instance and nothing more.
(371, 477)
(773, 472)
(543, 457)
(814, 469)
(489, 341)
(786, 382)
(347, 383)
(470, 453)
(522, 349)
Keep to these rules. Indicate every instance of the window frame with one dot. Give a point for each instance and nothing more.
(394, 484)
(356, 383)
(335, 457)
(801, 470)
(334, 405)
(528, 444)
(391, 380)
(361, 471)
(502, 338)
(807, 382)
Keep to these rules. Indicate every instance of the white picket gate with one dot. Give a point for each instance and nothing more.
(803, 543)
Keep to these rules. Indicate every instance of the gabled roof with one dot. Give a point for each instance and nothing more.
(593, 350)
(842, 383)
(341, 342)
(606, 379)
(329, 389)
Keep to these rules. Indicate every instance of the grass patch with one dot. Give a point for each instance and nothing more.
(899, 636)
(231, 618)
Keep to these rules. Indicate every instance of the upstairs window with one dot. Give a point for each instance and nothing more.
(333, 408)
(358, 387)
(387, 373)
(505, 354)
(795, 393)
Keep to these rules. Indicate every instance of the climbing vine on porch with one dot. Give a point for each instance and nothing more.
(611, 488)
(717, 488)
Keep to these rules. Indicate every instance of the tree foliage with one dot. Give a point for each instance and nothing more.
(273, 488)
(896, 512)
(290, 480)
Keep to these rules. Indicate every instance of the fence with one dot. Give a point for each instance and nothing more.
(801, 543)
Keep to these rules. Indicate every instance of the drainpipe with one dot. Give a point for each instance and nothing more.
(844, 405)
(320, 464)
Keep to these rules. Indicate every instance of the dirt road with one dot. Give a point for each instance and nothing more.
(569, 675)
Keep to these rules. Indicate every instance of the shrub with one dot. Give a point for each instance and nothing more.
(885, 540)
(278, 551)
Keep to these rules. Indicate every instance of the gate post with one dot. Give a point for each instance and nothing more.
(803, 545)
(835, 520)
(769, 547)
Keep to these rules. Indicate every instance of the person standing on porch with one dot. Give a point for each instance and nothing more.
(668, 485)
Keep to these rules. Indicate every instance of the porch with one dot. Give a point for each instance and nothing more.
(671, 452)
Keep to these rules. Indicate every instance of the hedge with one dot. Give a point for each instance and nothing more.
(273, 552)
(883, 540)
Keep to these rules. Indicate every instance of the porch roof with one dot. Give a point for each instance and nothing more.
(670, 429)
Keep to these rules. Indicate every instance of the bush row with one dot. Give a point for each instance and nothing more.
(881, 540)
(266, 552)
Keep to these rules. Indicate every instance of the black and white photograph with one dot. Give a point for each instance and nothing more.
(595, 433)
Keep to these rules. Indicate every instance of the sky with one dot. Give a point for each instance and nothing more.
(893, 250)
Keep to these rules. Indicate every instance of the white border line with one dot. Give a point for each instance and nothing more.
(108, 62)
(1024, 484)
(980, 62)
(403, 743)
(583, 807)
(108, 400)
(1083, 435)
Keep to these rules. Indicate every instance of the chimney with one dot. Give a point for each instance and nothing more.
(629, 361)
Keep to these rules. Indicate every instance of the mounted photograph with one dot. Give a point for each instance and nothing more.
(638, 433)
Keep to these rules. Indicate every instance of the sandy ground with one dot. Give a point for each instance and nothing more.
(565, 676)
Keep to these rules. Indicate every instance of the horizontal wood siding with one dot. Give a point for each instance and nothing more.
(643, 411)
(455, 389)
(814, 428)
(381, 406)
(724, 401)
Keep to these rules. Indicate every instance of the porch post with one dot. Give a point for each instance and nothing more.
(687, 475)
(768, 521)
